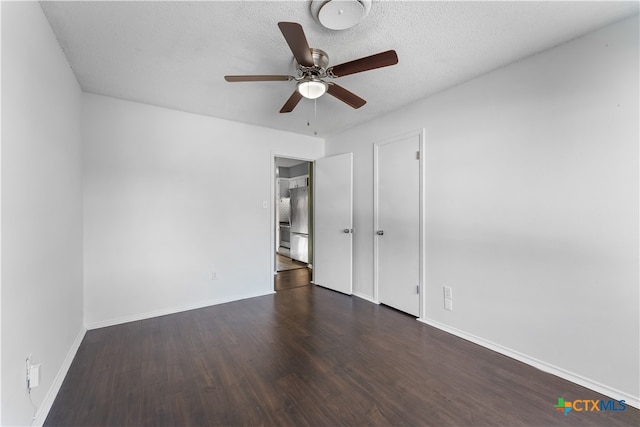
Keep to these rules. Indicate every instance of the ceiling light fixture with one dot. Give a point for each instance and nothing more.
(312, 89)
(340, 14)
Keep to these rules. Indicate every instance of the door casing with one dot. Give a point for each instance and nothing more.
(272, 217)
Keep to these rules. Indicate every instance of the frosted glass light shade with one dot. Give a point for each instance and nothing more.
(312, 89)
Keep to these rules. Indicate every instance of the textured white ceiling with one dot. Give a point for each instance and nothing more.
(175, 54)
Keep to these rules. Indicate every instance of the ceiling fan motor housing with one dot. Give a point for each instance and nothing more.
(320, 58)
(320, 64)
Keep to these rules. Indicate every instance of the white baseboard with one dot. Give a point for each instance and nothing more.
(365, 297)
(539, 364)
(355, 294)
(47, 402)
(170, 310)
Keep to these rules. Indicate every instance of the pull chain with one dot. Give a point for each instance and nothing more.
(308, 116)
(315, 115)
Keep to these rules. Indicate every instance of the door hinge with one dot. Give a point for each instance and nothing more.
(417, 155)
(418, 289)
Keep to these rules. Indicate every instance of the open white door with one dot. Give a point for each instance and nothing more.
(333, 223)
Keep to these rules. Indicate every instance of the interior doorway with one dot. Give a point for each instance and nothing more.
(293, 225)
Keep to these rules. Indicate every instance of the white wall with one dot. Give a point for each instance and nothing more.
(41, 210)
(532, 206)
(169, 198)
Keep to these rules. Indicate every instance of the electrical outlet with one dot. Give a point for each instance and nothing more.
(448, 304)
(448, 292)
(214, 275)
(33, 373)
(34, 376)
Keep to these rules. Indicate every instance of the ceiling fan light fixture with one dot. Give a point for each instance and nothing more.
(312, 89)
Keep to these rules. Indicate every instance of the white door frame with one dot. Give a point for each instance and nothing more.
(272, 211)
(422, 216)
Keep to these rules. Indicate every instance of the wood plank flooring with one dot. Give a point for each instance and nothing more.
(306, 356)
(284, 263)
(292, 279)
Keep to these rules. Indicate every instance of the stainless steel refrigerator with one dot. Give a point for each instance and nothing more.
(300, 224)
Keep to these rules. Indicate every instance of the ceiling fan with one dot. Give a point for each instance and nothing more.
(313, 70)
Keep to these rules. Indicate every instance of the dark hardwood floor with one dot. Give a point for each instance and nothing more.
(289, 279)
(306, 356)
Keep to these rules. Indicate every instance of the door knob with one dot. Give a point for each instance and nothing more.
(346, 230)
(380, 232)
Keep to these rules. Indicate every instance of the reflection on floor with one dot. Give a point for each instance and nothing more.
(284, 263)
(290, 279)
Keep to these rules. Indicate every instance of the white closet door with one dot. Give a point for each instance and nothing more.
(333, 223)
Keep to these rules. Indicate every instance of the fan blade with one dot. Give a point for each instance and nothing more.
(379, 60)
(291, 102)
(257, 78)
(345, 96)
(294, 35)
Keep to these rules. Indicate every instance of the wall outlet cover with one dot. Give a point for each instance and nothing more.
(448, 304)
(448, 292)
(34, 375)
